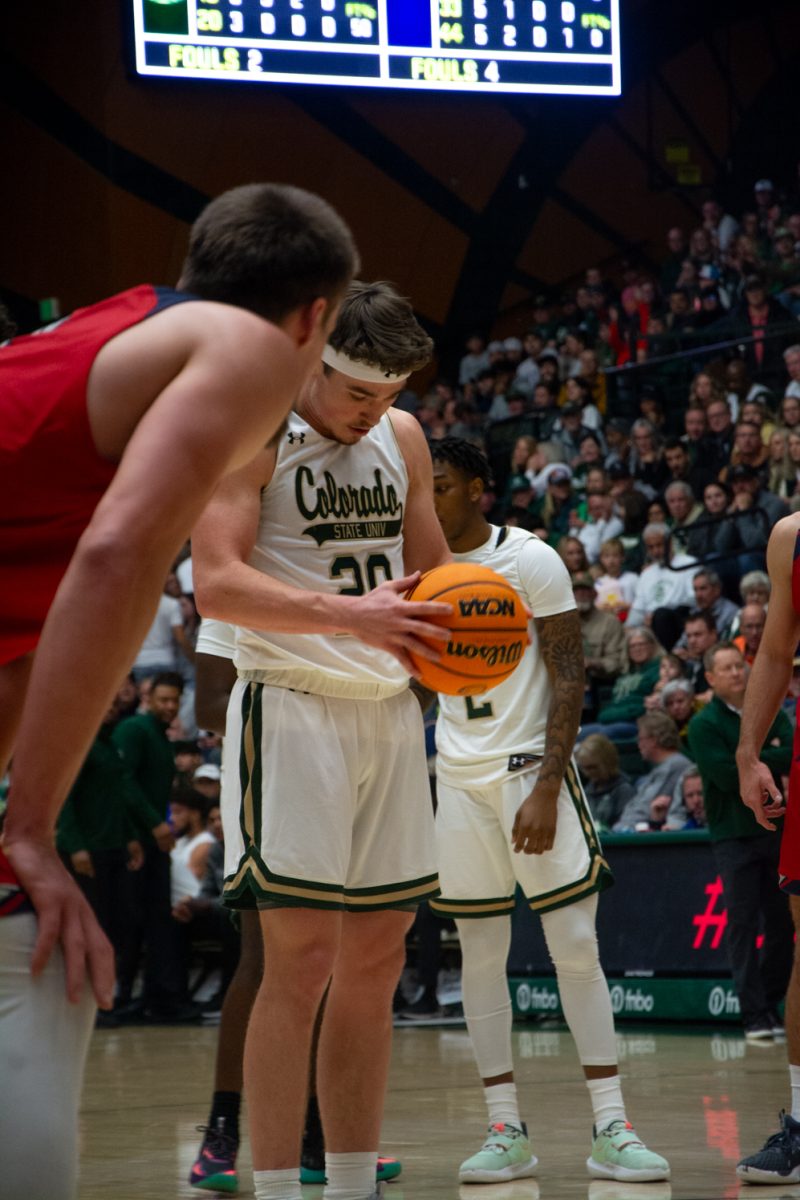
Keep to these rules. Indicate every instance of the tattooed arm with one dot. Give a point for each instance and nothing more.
(561, 647)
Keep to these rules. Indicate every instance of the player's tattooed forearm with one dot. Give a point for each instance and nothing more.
(561, 647)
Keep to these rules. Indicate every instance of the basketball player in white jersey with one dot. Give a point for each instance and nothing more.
(214, 1169)
(327, 813)
(511, 811)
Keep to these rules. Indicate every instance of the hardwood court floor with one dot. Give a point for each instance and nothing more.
(701, 1098)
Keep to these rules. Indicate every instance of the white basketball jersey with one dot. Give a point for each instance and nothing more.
(217, 638)
(476, 735)
(331, 521)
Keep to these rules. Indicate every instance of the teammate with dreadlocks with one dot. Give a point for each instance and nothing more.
(512, 810)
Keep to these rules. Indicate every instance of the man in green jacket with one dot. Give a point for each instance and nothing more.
(746, 854)
(96, 832)
(97, 836)
(149, 757)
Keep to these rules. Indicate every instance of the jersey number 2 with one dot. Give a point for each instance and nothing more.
(476, 711)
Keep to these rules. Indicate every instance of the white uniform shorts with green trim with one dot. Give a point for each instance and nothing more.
(478, 869)
(326, 801)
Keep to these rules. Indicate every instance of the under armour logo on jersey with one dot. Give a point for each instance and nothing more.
(296, 437)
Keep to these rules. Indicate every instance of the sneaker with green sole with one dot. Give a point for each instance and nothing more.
(506, 1154)
(618, 1153)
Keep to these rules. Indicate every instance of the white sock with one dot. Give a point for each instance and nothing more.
(350, 1176)
(278, 1185)
(794, 1077)
(501, 1101)
(607, 1102)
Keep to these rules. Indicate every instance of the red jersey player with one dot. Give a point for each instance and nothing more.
(779, 1160)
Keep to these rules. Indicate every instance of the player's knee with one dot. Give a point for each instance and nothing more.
(301, 963)
(377, 950)
(578, 959)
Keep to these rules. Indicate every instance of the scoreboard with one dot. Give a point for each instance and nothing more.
(489, 46)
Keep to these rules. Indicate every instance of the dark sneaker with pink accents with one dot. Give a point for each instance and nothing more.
(215, 1168)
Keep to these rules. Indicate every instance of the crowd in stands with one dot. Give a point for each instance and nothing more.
(648, 429)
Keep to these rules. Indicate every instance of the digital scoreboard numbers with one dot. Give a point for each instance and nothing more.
(555, 46)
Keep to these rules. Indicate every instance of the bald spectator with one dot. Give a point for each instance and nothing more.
(653, 803)
(751, 630)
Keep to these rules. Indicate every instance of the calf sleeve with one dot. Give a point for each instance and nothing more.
(485, 943)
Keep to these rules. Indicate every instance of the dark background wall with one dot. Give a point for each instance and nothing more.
(468, 204)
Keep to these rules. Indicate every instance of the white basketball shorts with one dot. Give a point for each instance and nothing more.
(326, 801)
(478, 868)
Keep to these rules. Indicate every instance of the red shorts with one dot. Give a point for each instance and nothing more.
(790, 840)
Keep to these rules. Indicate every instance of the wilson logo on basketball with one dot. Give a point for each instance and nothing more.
(504, 655)
(486, 608)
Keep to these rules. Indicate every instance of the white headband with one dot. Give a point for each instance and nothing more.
(359, 370)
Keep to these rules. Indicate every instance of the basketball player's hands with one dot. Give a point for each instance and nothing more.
(64, 917)
(760, 792)
(534, 829)
(382, 618)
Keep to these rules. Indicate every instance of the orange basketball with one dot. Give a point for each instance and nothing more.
(489, 629)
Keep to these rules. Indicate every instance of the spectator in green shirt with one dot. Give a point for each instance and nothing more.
(746, 854)
(149, 757)
(96, 836)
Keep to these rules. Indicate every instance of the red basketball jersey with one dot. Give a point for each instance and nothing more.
(51, 476)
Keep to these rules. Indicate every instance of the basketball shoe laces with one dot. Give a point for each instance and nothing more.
(217, 1144)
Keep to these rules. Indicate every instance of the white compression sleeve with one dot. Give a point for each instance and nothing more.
(485, 943)
(572, 943)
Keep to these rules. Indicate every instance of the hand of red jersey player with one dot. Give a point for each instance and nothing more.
(534, 828)
(760, 793)
(382, 618)
(63, 916)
